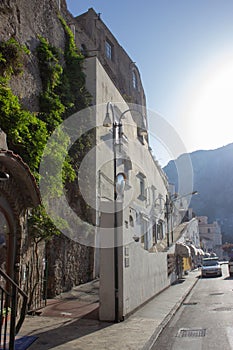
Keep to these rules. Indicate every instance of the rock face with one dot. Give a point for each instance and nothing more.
(3, 143)
(212, 178)
(68, 265)
(25, 21)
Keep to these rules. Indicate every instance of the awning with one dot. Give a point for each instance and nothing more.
(194, 250)
(182, 250)
(206, 255)
(200, 252)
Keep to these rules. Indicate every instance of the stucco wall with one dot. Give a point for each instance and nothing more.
(93, 33)
(141, 274)
(145, 276)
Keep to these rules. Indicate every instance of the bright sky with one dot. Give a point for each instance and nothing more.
(184, 51)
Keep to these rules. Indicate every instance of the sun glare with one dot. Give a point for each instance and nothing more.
(210, 115)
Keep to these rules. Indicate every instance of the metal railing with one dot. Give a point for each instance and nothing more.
(13, 307)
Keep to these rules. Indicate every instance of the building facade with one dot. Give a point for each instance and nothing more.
(140, 222)
(210, 235)
(187, 246)
(94, 39)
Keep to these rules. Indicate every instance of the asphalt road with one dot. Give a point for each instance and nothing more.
(204, 320)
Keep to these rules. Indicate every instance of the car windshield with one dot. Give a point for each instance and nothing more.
(210, 263)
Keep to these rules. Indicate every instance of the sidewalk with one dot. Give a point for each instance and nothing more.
(68, 323)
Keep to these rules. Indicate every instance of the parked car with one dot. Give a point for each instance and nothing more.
(211, 267)
(230, 266)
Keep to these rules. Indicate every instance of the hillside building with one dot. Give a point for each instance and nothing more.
(140, 226)
(94, 39)
(210, 236)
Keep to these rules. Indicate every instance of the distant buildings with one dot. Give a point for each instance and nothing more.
(210, 236)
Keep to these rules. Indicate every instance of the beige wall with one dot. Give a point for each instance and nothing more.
(93, 33)
(142, 273)
(211, 235)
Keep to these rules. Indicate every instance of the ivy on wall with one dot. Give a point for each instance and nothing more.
(63, 93)
(26, 133)
(73, 93)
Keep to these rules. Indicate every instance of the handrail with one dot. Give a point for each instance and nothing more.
(13, 283)
(9, 299)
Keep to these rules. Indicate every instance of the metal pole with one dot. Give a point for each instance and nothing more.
(167, 212)
(13, 318)
(115, 230)
(107, 122)
(172, 222)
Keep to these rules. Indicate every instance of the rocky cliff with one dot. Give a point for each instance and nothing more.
(212, 178)
(24, 21)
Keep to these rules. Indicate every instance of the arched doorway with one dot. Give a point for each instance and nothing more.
(18, 194)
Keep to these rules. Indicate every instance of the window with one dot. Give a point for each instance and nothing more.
(144, 234)
(134, 80)
(131, 222)
(153, 190)
(160, 230)
(108, 50)
(142, 189)
(161, 202)
(154, 233)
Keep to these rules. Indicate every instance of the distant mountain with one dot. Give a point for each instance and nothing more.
(213, 179)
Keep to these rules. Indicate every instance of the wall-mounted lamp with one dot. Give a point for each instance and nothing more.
(4, 176)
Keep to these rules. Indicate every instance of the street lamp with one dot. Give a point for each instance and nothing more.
(168, 212)
(119, 184)
(177, 197)
(4, 176)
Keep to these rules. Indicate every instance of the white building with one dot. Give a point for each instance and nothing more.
(210, 235)
(132, 270)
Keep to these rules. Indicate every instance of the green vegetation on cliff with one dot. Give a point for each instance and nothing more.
(63, 93)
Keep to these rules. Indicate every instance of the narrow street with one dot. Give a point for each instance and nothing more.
(205, 318)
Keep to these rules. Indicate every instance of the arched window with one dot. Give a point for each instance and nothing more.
(134, 80)
(131, 222)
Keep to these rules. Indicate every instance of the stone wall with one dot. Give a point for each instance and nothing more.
(32, 271)
(25, 21)
(69, 264)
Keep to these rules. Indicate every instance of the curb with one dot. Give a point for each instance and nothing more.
(167, 318)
